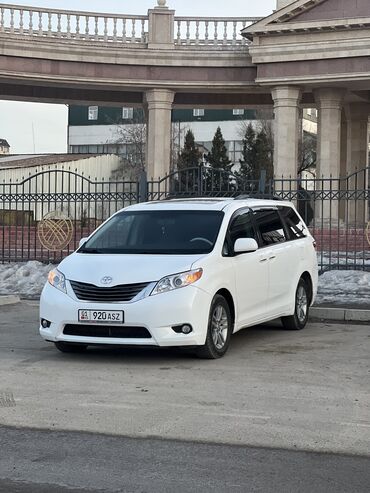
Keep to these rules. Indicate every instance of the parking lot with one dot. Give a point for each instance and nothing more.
(305, 390)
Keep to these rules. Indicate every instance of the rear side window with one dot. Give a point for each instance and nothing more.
(295, 226)
(270, 226)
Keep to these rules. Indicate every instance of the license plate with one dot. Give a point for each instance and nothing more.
(101, 316)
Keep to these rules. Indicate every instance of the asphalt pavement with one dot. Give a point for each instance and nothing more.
(282, 412)
(60, 462)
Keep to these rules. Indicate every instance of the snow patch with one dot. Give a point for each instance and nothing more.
(344, 287)
(26, 279)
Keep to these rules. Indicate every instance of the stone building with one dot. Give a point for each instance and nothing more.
(4, 146)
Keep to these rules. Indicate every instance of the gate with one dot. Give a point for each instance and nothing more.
(44, 216)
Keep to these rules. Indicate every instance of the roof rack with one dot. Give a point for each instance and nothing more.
(265, 196)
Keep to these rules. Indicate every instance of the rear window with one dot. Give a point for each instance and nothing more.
(295, 226)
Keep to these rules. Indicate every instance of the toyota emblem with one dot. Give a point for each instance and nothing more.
(106, 280)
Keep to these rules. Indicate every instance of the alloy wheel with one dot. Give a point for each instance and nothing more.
(302, 304)
(219, 326)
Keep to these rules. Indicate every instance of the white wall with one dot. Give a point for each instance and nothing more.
(93, 134)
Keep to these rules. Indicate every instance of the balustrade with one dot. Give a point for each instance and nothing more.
(211, 31)
(92, 26)
(190, 32)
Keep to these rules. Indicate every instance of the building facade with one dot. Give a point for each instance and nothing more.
(4, 146)
(102, 129)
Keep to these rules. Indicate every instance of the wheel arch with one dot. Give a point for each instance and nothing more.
(230, 301)
(306, 276)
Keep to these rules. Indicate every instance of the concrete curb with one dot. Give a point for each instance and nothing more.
(340, 314)
(9, 300)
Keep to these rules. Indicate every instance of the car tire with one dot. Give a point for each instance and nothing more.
(69, 347)
(219, 331)
(298, 321)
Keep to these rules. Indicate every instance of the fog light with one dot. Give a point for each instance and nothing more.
(186, 329)
(183, 329)
(45, 323)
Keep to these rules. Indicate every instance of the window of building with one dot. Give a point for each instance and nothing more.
(312, 112)
(270, 226)
(235, 148)
(127, 113)
(198, 112)
(93, 112)
(238, 112)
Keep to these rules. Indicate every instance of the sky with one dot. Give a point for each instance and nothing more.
(42, 128)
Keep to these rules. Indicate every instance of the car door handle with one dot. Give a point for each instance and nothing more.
(263, 260)
(272, 258)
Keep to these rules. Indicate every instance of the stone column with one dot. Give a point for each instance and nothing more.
(357, 115)
(158, 146)
(287, 130)
(161, 27)
(329, 104)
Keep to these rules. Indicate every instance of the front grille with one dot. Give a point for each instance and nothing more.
(123, 292)
(114, 332)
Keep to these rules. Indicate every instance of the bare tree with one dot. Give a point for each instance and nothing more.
(308, 153)
(133, 135)
(177, 138)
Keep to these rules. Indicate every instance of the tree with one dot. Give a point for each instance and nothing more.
(256, 158)
(218, 175)
(264, 157)
(133, 136)
(307, 153)
(177, 135)
(189, 156)
(248, 154)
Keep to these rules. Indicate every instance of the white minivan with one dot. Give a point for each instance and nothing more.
(187, 272)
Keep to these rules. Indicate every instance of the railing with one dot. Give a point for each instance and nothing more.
(211, 31)
(335, 210)
(55, 23)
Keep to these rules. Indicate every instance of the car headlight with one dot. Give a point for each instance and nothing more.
(169, 283)
(57, 279)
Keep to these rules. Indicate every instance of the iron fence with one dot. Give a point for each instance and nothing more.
(336, 210)
(81, 205)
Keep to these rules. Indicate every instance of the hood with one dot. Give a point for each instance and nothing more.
(124, 269)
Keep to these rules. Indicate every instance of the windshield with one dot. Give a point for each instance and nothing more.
(157, 232)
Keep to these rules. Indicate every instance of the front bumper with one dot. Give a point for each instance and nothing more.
(158, 314)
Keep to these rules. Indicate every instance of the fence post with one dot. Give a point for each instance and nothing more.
(262, 183)
(142, 187)
(200, 180)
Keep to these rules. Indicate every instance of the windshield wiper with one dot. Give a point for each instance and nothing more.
(89, 250)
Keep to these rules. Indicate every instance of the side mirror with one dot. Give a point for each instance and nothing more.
(245, 245)
(82, 242)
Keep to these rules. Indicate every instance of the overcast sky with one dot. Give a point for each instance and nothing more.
(32, 127)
